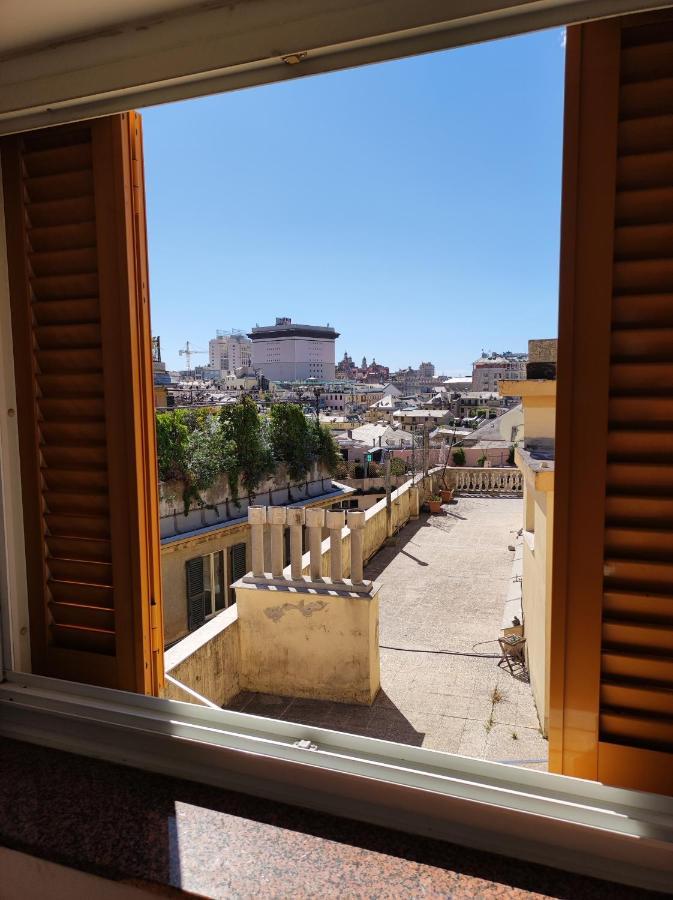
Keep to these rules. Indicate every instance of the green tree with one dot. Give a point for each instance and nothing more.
(172, 437)
(251, 457)
(325, 448)
(291, 439)
(458, 457)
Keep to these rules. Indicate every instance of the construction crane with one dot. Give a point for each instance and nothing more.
(188, 350)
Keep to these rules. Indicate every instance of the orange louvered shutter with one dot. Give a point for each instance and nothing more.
(75, 221)
(612, 613)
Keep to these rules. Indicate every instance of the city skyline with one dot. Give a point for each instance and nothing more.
(414, 205)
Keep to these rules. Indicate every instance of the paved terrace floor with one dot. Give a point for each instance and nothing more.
(444, 579)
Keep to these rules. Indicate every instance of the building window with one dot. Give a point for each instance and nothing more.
(206, 588)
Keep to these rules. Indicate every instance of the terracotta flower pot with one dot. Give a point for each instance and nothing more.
(446, 494)
(435, 506)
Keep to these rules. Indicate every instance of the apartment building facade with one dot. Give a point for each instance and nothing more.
(229, 351)
(288, 351)
(488, 371)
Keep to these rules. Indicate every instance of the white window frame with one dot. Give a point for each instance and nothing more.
(576, 825)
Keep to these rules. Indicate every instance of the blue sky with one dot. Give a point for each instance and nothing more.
(414, 205)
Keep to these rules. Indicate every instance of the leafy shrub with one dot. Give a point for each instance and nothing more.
(325, 448)
(510, 455)
(374, 470)
(291, 439)
(251, 457)
(397, 466)
(481, 461)
(458, 456)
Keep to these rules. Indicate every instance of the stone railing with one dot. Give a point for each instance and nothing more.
(484, 481)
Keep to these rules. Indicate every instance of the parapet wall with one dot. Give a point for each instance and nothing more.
(209, 661)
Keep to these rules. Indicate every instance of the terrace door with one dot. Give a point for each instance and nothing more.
(75, 215)
(612, 603)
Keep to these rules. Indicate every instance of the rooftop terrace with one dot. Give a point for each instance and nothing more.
(445, 580)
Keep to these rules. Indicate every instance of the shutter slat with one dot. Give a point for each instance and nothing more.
(646, 667)
(625, 509)
(642, 275)
(648, 731)
(637, 697)
(81, 593)
(646, 98)
(61, 212)
(650, 606)
(645, 170)
(55, 312)
(68, 359)
(654, 543)
(58, 160)
(648, 344)
(87, 616)
(69, 525)
(636, 635)
(642, 378)
(64, 287)
(82, 571)
(79, 548)
(70, 336)
(643, 310)
(646, 445)
(638, 574)
(59, 186)
(640, 476)
(648, 61)
(649, 410)
(63, 237)
(643, 241)
(81, 260)
(646, 135)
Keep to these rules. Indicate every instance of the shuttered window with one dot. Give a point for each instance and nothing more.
(238, 566)
(75, 221)
(196, 593)
(613, 584)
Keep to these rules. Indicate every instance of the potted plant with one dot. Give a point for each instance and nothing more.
(446, 494)
(435, 504)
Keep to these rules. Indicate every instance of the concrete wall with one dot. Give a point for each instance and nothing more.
(322, 646)
(536, 599)
(208, 661)
(215, 672)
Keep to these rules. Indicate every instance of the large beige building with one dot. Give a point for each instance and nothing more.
(290, 352)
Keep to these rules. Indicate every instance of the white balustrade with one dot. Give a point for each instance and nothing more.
(335, 521)
(486, 481)
(296, 519)
(276, 518)
(315, 522)
(356, 523)
(257, 520)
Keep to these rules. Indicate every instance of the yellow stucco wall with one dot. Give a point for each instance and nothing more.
(173, 578)
(536, 596)
(211, 665)
(309, 645)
